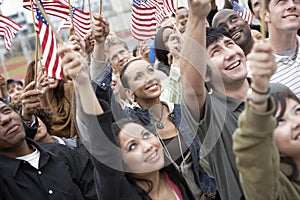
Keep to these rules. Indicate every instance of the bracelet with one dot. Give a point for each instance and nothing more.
(257, 102)
(261, 93)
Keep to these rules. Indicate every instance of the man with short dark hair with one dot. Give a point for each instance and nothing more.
(234, 24)
(214, 100)
(40, 171)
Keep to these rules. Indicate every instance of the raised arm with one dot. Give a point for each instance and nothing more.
(253, 142)
(194, 57)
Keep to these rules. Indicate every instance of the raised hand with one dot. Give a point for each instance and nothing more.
(100, 28)
(72, 62)
(3, 87)
(262, 65)
(30, 99)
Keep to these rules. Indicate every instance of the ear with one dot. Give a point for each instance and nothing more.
(267, 16)
(129, 94)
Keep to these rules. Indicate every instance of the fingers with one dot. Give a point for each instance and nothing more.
(262, 64)
(100, 28)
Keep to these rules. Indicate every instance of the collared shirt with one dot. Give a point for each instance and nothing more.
(62, 174)
(215, 131)
(288, 69)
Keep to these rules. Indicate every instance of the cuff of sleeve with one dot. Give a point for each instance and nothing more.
(257, 122)
(175, 73)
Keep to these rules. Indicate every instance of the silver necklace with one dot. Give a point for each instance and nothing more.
(159, 123)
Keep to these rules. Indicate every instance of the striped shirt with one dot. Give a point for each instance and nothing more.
(288, 69)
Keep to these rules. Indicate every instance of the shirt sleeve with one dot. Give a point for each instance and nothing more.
(257, 157)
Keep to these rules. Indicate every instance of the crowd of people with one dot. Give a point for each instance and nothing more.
(207, 110)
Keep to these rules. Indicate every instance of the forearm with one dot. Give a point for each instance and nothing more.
(256, 154)
(193, 64)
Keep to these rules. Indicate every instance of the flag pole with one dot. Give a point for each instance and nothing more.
(262, 22)
(50, 23)
(90, 10)
(100, 7)
(72, 30)
(36, 47)
(176, 4)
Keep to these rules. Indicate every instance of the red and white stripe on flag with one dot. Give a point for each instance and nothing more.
(60, 8)
(143, 23)
(51, 60)
(8, 30)
(144, 18)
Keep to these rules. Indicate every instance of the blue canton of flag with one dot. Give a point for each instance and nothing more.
(138, 2)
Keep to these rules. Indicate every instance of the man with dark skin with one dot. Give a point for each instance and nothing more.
(238, 29)
(39, 171)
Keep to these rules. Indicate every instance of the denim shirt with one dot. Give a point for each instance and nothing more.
(206, 183)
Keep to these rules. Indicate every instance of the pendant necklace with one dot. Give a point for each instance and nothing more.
(159, 123)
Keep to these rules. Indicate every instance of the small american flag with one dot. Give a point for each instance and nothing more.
(144, 17)
(51, 60)
(244, 13)
(8, 30)
(60, 8)
(65, 24)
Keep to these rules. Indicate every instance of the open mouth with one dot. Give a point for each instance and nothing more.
(153, 157)
(236, 35)
(291, 16)
(233, 66)
(297, 137)
(152, 87)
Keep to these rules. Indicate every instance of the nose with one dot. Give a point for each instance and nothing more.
(4, 119)
(291, 5)
(147, 146)
(230, 27)
(296, 122)
(229, 53)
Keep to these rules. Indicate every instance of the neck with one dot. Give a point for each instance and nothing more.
(297, 161)
(157, 182)
(148, 103)
(283, 41)
(248, 46)
(236, 91)
(19, 150)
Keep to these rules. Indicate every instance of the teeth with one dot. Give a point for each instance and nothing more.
(236, 35)
(234, 65)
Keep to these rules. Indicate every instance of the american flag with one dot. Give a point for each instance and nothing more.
(51, 60)
(169, 6)
(244, 13)
(82, 21)
(65, 24)
(8, 30)
(144, 17)
(60, 8)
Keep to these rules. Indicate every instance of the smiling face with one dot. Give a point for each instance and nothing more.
(142, 80)
(229, 60)
(141, 150)
(11, 129)
(287, 132)
(15, 91)
(183, 15)
(234, 25)
(118, 55)
(283, 15)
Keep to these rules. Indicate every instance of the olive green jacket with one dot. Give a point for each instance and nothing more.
(261, 173)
